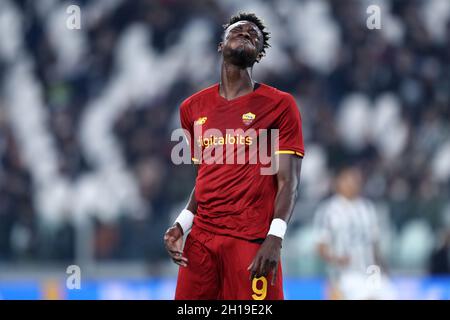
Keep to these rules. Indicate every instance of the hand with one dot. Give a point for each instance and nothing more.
(343, 261)
(173, 240)
(266, 259)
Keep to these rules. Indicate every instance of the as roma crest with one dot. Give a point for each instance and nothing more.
(248, 118)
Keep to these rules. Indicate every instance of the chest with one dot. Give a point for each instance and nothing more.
(232, 116)
(353, 225)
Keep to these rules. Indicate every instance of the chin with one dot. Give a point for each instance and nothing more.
(241, 57)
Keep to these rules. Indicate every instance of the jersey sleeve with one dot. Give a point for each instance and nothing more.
(187, 123)
(290, 128)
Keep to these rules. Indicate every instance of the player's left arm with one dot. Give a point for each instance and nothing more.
(375, 228)
(268, 256)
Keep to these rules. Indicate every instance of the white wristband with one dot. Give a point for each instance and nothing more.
(185, 219)
(278, 228)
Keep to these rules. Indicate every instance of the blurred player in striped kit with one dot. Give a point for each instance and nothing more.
(348, 240)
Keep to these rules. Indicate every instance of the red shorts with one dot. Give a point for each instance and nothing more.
(217, 269)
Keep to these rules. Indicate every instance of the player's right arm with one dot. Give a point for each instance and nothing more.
(324, 233)
(325, 253)
(192, 203)
(173, 238)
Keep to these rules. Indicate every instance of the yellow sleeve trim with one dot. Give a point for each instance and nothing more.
(194, 159)
(289, 152)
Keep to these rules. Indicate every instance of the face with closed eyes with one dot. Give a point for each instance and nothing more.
(242, 44)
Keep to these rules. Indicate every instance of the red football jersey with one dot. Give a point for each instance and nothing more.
(235, 199)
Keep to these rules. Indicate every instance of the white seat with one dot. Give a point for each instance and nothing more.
(415, 243)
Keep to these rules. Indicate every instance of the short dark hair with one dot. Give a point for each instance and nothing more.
(251, 17)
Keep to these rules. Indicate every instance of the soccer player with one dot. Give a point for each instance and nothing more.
(238, 216)
(348, 240)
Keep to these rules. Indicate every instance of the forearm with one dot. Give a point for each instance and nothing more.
(186, 217)
(326, 255)
(192, 202)
(285, 199)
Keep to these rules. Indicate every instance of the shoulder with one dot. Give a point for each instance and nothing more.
(199, 95)
(328, 205)
(283, 104)
(277, 94)
(369, 206)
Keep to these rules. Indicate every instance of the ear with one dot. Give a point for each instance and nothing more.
(220, 47)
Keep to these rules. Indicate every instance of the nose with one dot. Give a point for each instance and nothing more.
(245, 34)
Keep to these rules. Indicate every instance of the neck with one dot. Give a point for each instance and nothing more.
(349, 196)
(235, 81)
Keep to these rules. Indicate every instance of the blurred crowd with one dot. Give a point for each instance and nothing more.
(379, 99)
